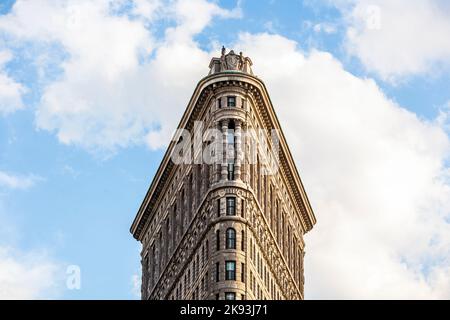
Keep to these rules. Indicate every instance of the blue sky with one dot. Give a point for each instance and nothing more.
(90, 92)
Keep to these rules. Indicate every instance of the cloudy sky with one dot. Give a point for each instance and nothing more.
(90, 92)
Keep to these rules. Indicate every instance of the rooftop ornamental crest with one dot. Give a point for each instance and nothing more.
(231, 62)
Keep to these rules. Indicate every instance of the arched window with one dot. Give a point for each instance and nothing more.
(231, 239)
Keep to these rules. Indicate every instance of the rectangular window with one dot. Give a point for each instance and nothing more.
(231, 101)
(217, 272)
(230, 296)
(218, 207)
(231, 171)
(231, 206)
(217, 240)
(242, 272)
(231, 139)
(230, 270)
(219, 103)
(242, 240)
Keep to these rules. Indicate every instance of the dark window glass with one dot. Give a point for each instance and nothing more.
(231, 171)
(231, 206)
(217, 240)
(219, 103)
(231, 101)
(218, 207)
(231, 239)
(217, 272)
(230, 270)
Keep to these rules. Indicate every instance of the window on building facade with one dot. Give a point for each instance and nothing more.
(230, 270)
(242, 272)
(231, 101)
(218, 207)
(231, 206)
(217, 272)
(217, 240)
(231, 171)
(230, 296)
(231, 238)
(219, 103)
(242, 240)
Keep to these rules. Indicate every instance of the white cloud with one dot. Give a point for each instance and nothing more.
(146, 9)
(111, 94)
(10, 90)
(25, 273)
(12, 181)
(374, 172)
(32, 275)
(399, 38)
(325, 27)
(136, 285)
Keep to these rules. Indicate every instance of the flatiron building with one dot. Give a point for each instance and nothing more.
(225, 215)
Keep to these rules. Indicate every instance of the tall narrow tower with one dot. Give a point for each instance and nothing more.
(225, 215)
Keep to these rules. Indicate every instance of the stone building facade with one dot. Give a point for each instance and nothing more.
(225, 218)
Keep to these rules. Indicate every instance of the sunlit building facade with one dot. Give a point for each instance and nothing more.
(225, 215)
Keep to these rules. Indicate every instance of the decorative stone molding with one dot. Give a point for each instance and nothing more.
(230, 62)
